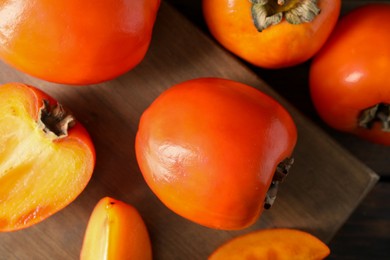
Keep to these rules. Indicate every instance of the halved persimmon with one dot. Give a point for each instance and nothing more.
(115, 231)
(274, 243)
(46, 156)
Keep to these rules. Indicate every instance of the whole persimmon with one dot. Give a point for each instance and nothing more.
(115, 230)
(76, 42)
(213, 150)
(46, 156)
(349, 77)
(271, 33)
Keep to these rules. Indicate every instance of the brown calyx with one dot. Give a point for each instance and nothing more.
(270, 12)
(379, 113)
(280, 174)
(55, 119)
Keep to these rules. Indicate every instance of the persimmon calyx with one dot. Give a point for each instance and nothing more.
(266, 13)
(55, 119)
(280, 174)
(378, 113)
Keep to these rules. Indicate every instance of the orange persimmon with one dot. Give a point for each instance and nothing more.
(275, 244)
(271, 34)
(348, 78)
(46, 156)
(213, 150)
(115, 230)
(76, 42)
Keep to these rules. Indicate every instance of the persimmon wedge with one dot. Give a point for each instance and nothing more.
(46, 156)
(115, 230)
(276, 244)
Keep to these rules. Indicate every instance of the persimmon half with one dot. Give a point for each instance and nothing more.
(115, 230)
(213, 150)
(275, 244)
(46, 156)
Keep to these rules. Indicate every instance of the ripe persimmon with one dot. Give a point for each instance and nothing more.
(349, 81)
(275, 244)
(46, 156)
(212, 148)
(271, 34)
(76, 42)
(115, 230)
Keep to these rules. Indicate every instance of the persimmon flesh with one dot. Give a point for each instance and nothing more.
(276, 243)
(115, 230)
(42, 170)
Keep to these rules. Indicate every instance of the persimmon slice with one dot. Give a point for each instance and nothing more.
(41, 171)
(115, 231)
(275, 244)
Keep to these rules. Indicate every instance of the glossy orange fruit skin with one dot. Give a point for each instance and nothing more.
(351, 72)
(115, 231)
(208, 148)
(33, 188)
(75, 42)
(279, 46)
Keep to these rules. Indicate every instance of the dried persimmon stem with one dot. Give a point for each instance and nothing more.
(266, 13)
(378, 113)
(280, 174)
(55, 119)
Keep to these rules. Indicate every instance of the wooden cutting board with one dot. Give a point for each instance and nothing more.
(324, 187)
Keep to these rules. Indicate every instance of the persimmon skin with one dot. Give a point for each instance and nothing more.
(75, 42)
(350, 73)
(278, 46)
(208, 148)
(115, 230)
(275, 243)
(31, 196)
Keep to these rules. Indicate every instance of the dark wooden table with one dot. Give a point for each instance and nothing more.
(366, 234)
(326, 202)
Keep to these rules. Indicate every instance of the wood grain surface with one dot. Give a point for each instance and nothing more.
(325, 186)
